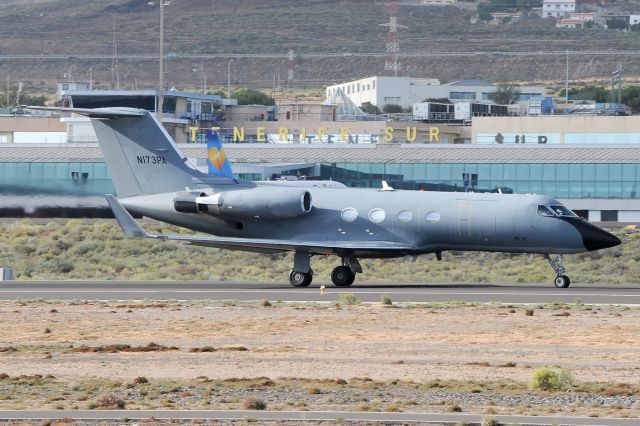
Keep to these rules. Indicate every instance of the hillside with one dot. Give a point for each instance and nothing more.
(227, 27)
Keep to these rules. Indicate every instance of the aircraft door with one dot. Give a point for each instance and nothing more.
(464, 220)
(477, 222)
(522, 223)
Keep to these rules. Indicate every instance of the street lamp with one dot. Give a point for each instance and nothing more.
(229, 79)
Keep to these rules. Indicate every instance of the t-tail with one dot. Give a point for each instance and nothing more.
(217, 161)
(143, 159)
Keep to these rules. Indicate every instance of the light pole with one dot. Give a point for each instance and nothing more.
(204, 79)
(161, 74)
(90, 78)
(229, 78)
(159, 105)
(566, 81)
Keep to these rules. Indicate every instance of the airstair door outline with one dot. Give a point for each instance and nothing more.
(464, 220)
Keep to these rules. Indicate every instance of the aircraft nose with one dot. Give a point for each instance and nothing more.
(593, 237)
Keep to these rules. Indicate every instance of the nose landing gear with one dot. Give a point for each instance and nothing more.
(561, 280)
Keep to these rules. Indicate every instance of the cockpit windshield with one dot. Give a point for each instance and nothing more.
(551, 211)
(562, 211)
(544, 211)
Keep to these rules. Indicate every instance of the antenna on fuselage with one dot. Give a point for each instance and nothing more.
(385, 186)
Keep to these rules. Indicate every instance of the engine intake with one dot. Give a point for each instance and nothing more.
(185, 202)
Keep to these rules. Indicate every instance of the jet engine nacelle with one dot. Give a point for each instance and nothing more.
(185, 202)
(255, 203)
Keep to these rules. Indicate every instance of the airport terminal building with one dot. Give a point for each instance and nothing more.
(599, 182)
(591, 163)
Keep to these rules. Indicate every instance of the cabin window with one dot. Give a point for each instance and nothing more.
(377, 215)
(544, 211)
(349, 214)
(432, 217)
(405, 216)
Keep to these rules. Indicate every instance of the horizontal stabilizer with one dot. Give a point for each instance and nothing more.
(128, 224)
(95, 112)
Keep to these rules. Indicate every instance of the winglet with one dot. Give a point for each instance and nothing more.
(128, 225)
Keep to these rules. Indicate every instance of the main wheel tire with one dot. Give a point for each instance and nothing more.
(342, 276)
(300, 279)
(562, 281)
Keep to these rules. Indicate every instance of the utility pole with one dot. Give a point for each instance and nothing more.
(619, 84)
(161, 75)
(229, 78)
(114, 59)
(566, 81)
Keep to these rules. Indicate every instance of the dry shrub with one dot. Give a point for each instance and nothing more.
(254, 403)
(232, 348)
(203, 349)
(151, 347)
(110, 401)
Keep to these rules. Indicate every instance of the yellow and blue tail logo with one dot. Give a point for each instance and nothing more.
(216, 158)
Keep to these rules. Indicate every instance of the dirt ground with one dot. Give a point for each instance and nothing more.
(321, 342)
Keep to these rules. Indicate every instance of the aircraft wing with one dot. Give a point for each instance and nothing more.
(132, 229)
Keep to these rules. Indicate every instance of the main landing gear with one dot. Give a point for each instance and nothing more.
(561, 281)
(300, 279)
(342, 276)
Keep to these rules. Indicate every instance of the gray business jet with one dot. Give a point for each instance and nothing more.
(153, 178)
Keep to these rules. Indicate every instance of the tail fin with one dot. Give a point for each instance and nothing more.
(216, 158)
(142, 157)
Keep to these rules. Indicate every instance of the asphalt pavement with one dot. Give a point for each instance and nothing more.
(627, 294)
(308, 416)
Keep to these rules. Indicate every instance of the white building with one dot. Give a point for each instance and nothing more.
(569, 23)
(557, 8)
(406, 91)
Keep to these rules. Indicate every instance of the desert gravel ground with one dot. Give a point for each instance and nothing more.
(389, 356)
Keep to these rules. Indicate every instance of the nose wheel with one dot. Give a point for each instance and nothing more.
(561, 281)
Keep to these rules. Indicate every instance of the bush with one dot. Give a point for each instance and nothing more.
(386, 300)
(254, 403)
(110, 401)
(140, 380)
(552, 379)
(392, 109)
(348, 299)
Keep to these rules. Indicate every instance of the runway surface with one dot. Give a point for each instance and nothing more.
(309, 416)
(627, 294)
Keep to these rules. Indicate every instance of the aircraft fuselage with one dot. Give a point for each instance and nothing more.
(428, 221)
